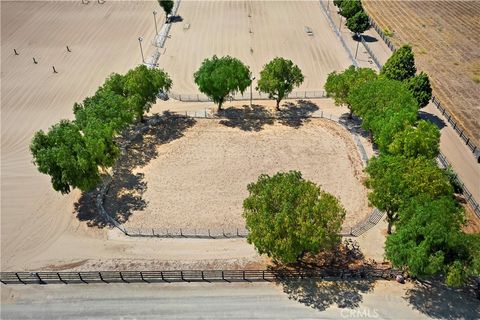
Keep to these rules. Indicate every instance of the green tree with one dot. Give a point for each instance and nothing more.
(141, 86)
(288, 216)
(385, 107)
(349, 8)
(62, 153)
(415, 141)
(394, 180)
(219, 77)
(429, 241)
(167, 6)
(339, 85)
(401, 65)
(420, 87)
(338, 3)
(359, 23)
(278, 78)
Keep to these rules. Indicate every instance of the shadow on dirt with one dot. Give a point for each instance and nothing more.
(246, 118)
(295, 115)
(138, 147)
(440, 302)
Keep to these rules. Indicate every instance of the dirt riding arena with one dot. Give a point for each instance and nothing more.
(445, 37)
(200, 179)
(40, 227)
(255, 32)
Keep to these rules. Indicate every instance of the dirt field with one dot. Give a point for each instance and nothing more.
(200, 180)
(39, 227)
(274, 28)
(445, 37)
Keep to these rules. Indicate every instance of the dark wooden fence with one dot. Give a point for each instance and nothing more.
(87, 277)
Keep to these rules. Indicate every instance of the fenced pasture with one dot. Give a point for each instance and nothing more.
(445, 37)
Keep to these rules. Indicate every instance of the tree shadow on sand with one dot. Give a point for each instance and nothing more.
(437, 301)
(295, 115)
(138, 147)
(354, 125)
(246, 118)
(321, 294)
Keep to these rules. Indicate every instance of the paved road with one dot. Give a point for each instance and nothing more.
(294, 300)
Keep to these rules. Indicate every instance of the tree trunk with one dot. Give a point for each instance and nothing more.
(350, 115)
(219, 106)
(278, 105)
(389, 227)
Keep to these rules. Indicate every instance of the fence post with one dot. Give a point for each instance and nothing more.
(181, 232)
(223, 276)
(243, 274)
(181, 275)
(80, 277)
(153, 232)
(263, 274)
(40, 281)
(60, 278)
(141, 277)
(101, 278)
(19, 279)
(203, 276)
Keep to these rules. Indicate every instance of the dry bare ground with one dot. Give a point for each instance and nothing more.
(200, 180)
(40, 227)
(445, 37)
(255, 32)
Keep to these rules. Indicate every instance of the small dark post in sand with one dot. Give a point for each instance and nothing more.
(68, 49)
(34, 61)
(15, 51)
(54, 71)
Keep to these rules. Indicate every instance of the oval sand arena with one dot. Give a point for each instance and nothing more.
(200, 180)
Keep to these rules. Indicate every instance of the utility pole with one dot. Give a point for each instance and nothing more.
(140, 39)
(251, 92)
(155, 20)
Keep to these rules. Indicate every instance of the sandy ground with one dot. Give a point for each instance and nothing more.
(39, 227)
(200, 180)
(274, 28)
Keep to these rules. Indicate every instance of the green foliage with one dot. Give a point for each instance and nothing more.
(394, 180)
(167, 6)
(420, 87)
(401, 65)
(421, 140)
(429, 240)
(278, 78)
(385, 106)
(288, 216)
(349, 8)
(452, 177)
(141, 86)
(338, 3)
(63, 154)
(359, 23)
(219, 77)
(339, 85)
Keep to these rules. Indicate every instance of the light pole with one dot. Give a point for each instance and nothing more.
(251, 94)
(155, 19)
(340, 24)
(359, 38)
(140, 39)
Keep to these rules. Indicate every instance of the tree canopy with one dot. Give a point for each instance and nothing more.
(420, 87)
(394, 180)
(219, 77)
(349, 8)
(429, 240)
(358, 23)
(401, 65)
(339, 85)
(278, 78)
(167, 6)
(415, 141)
(63, 154)
(288, 216)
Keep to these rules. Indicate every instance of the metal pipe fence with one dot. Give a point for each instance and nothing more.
(256, 95)
(195, 233)
(172, 276)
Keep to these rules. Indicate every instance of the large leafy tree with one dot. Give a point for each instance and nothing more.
(429, 240)
(219, 77)
(141, 86)
(401, 65)
(167, 6)
(339, 85)
(63, 154)
(421, 89)
(385, 106)
(358, 23)
(278, 78)
(394, 180)
(415, 141)
(349, 8)
(288, 216)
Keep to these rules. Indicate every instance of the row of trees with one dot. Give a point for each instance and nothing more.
(76, 153)
(425, 221)
(357, 19)
(221, 77)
